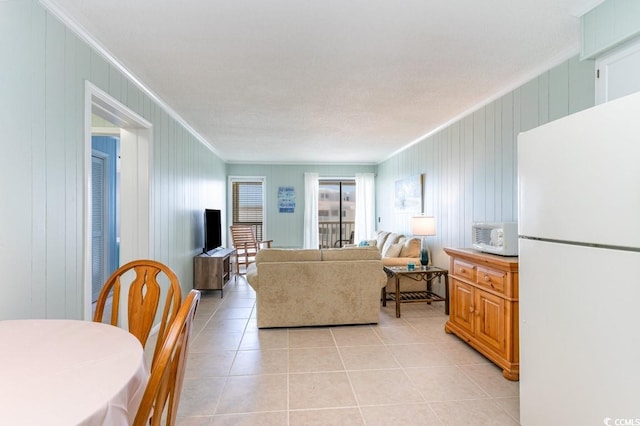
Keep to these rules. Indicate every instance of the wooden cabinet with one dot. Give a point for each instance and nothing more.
(212, 272)
(483, 306)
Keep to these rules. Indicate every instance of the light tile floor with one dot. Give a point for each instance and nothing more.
(402, 371)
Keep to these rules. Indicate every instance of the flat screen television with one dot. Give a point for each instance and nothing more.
(212, 230)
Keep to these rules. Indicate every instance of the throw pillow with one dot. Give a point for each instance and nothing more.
(381, 237)
(391, 240)
(411, 248)
(364, 243)
(394, 250)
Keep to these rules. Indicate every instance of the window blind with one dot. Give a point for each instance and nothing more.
(247, 205)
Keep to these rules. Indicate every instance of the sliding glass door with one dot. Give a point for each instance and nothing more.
(336, 212)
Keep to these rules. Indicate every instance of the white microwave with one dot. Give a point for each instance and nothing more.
(497, 238)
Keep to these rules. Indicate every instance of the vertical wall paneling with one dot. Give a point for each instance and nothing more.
(179, 192)
(55, 167)
(479, 167)
(582, 88)
(16, 87)
(38, 163)
(507, 160)
(491, 165)
(496, 125)
(452, 208)
(99, 71)
(559, 91)
(72, 155)
(530, 110)
(176, 179)
(115, 84)
(162, 186)
(467, 167)
(83, 55)
(543, 98)
(470, 166)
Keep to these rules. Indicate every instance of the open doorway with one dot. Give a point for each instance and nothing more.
(117, 226)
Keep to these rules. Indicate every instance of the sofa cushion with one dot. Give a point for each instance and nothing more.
(288, 255)
(351, 253)
(410, 248)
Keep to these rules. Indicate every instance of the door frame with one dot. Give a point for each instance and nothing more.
(136, 238)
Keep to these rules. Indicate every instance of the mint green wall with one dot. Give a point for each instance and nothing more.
(42, 96)
(286, 229)
(470, 167)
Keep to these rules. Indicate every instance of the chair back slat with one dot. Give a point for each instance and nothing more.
(144, 297)
(159, 404)
(243, 235)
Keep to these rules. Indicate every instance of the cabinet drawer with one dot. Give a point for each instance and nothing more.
(490, 278)
(464, 269)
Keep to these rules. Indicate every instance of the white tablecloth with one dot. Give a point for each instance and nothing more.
(65, 372)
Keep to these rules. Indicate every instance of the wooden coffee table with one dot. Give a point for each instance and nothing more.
(420, 273)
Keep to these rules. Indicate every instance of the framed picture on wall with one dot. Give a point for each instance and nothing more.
(409, 194)
(286, 199)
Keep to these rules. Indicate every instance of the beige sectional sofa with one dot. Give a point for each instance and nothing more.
(317, 287)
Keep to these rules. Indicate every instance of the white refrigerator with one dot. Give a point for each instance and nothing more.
(579, 268)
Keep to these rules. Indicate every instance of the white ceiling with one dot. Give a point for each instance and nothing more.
(327, 81)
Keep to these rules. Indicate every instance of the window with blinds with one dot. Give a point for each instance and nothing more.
(248, 208)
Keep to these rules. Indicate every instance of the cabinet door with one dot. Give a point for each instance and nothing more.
(490, 320)
(461, 305)
(619, 73)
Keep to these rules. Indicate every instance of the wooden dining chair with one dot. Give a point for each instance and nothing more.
(246, 245)
(159, 404)
(145, 280)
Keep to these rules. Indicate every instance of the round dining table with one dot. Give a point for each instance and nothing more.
(69, 372)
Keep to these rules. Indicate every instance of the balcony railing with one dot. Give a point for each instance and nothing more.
(329, 233)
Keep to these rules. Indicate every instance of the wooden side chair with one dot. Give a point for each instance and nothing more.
(143, 279)
(340, 243)
(246, 245)
(159, 404)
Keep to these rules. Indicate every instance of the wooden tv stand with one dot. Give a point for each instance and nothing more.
(213, 272)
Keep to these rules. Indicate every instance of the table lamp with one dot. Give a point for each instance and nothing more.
(423, 226)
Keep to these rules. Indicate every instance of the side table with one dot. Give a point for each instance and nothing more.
(421, 273)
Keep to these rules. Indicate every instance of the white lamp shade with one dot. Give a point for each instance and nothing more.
(423, 225)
